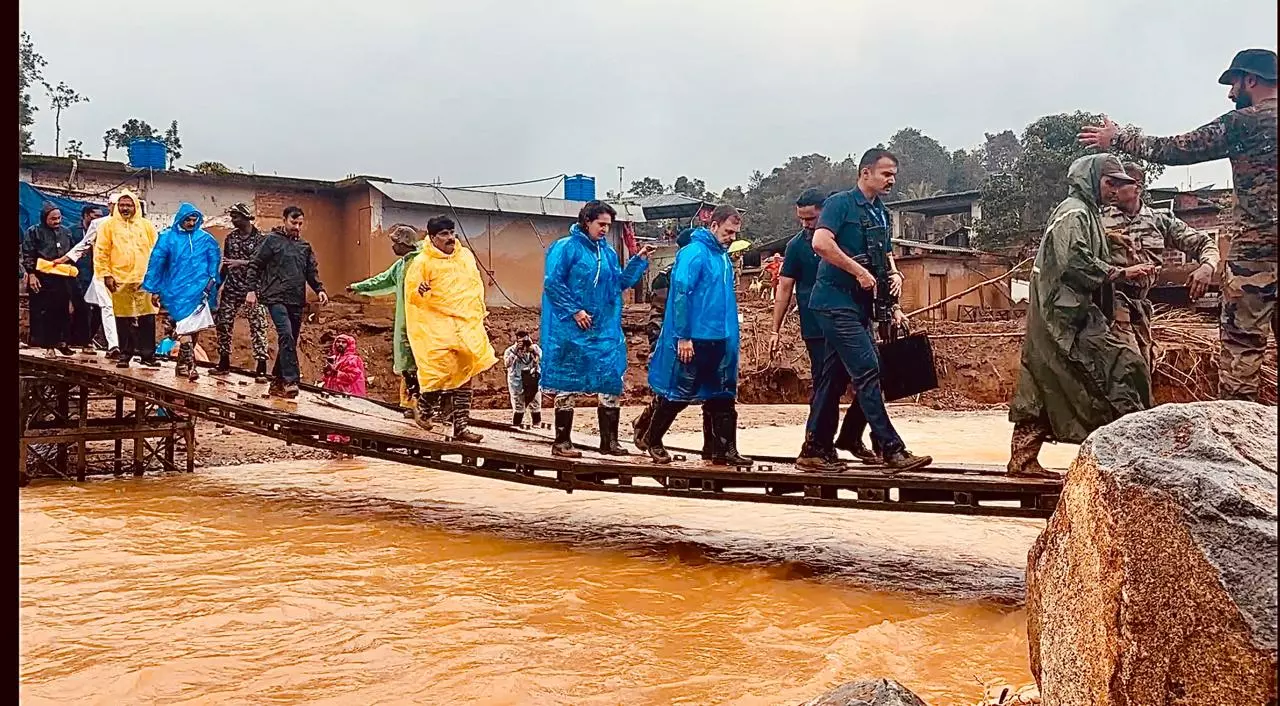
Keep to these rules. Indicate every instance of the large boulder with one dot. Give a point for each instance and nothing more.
(870, 692)
(1154, 582)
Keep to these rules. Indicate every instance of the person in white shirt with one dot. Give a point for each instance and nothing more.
(97, 292)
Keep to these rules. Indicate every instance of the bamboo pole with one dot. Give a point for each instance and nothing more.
(977, 286)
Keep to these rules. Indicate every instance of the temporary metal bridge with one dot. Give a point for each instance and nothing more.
(59, 397)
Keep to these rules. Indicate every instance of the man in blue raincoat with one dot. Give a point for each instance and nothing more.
(696, 359)
(183, 271)
(584, 351)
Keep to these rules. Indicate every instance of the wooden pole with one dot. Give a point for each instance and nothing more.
(979, 285)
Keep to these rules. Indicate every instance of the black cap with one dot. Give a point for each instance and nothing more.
(1259, 62)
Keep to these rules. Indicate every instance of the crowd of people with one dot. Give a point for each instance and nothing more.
(1087, 355)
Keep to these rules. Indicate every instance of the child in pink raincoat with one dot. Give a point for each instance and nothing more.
(344, 372)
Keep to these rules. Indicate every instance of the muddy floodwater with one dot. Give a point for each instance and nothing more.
(356, 582)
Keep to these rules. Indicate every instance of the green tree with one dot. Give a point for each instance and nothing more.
(771, 198)
(61, 97)
(1000, 152)
(75, 149)
(30, 72)
(693, 188)
(211, 168)
(172, 143)
(120, 138)
(920, 159)
(967, 171)
(647, 186)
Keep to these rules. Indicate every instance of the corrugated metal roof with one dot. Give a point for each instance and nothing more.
(466, 199)
(919, 245)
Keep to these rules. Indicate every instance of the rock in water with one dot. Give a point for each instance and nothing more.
(1154, 582)
(871, 692)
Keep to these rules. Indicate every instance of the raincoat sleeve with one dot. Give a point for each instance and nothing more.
(313, 272)
(556, 283)
(1196, 244)
(633, 272)
(684, 278)
(213, 268)
(28, 249)
(1083, 271)
(381, 284)
(158, 267)
(261, 257)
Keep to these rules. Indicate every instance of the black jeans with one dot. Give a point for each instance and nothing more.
(137, 336)
(50, 310)
(288, 322)
(855, 422)
(86, 320)
(850, 344)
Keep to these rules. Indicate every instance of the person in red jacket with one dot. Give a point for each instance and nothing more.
(344, 372)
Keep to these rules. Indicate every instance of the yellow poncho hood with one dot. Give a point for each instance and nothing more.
(124, 244)
(445, 325)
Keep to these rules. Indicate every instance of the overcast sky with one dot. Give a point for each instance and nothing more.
(481, 91)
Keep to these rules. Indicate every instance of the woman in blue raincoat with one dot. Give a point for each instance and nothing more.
(583, 350)
(183, 271)
(696, 357)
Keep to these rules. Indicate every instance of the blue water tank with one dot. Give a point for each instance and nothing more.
(580, 187)
(147, 153)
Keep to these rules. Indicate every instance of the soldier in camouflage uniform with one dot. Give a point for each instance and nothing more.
(1246, 136)
(238, 250)
(1139, 235)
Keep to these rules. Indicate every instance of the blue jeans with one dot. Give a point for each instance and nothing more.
(851, 350)
(288, 322)
(855, 422)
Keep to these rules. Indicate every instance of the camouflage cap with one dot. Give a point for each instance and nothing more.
(1111, 167)
(402, 234)
(240, 208)
(1259, 62)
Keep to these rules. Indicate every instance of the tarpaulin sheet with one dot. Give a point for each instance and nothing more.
(31, 200)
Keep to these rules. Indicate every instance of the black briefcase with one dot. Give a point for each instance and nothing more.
(906, 367)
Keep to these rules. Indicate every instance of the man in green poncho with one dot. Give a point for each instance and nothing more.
(405, 243)
(1076, 374)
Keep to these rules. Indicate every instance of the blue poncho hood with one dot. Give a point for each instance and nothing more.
(184, 266)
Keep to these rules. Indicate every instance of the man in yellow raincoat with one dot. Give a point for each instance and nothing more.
(444, 319)
(120, 255)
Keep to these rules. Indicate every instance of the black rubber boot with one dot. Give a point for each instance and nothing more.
(725, 425)
(517, 418)
(640, 425)
(663, 415)
(564, 435)
(260, 374)
(536, 418)
(710, 452)
(607, 417)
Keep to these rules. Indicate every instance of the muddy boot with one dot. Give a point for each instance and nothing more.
(181, 369)
(640, 425)
(607, 418)
(563, 445)
(904, 460)
(460, 414)
(663, 415)
(276, 388)
(425, 411)
(816, 459)
(223, 368)
(1024, 451)
(260, 375)
(535, 419)
(517, 418)
(113, 353)
(122, 360)
(289, 391)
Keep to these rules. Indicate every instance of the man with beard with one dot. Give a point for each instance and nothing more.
(696, 359)
(444, 320)
(1247, 137)
(1138, 234)
(120, 256)
(405, 244)
(238, 250)
(279, 274)
(1076, 374)
(853, 223)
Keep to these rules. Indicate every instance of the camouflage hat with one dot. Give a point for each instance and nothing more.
(240, 208)
(1259, 62)
(402, 234)
(1111, 167)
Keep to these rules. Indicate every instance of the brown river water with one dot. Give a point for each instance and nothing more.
(360, 582)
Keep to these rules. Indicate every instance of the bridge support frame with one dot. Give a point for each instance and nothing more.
(58, 418)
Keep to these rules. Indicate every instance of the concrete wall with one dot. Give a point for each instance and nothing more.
(928, 279)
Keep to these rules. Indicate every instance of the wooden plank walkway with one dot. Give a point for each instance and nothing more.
(380, 431)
